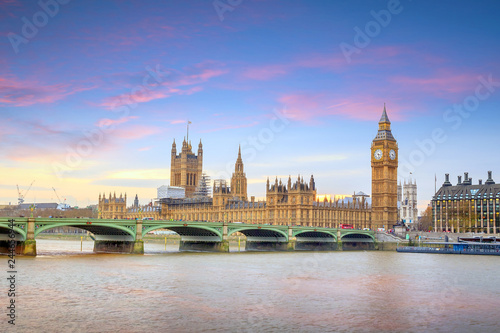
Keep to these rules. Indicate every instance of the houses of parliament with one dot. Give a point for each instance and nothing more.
(289, 202)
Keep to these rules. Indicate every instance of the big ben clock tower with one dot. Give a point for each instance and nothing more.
(384, 176)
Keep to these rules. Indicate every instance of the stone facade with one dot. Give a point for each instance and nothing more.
(289, 203)
(186, 168)
(239, 179)
(407, 198)
(293, 203)
(112, 207)
(384, 160)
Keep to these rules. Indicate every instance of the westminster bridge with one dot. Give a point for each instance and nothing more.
(126, 236)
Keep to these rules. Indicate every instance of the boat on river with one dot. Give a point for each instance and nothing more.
(472, 245)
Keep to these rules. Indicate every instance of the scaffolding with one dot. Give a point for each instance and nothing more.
(204, 189)
(220, 185)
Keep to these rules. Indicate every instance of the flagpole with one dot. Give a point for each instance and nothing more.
(188, 131)
(435, 181)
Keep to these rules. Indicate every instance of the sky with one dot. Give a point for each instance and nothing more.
(93, 93)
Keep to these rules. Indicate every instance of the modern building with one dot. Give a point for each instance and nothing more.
(384, 160)
(407, 202)
(171, 192)
(467, 207)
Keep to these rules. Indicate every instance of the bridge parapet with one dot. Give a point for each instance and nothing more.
(112, 235)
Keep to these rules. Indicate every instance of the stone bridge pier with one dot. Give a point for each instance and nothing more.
(315, 241)
(117, 242)
(201, 239)
(261, 239)
(23, 242)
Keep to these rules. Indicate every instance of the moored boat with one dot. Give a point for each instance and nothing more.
(476, 246)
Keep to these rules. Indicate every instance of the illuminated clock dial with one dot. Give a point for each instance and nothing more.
(378, 154)
(392, 154)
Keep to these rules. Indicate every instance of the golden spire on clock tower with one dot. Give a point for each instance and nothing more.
(384, 163)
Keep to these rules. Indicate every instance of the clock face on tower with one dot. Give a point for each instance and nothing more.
(392, 154)
(378, 154)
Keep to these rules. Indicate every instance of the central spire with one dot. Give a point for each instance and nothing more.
(238, 166)
(384, 128)
(384, 118)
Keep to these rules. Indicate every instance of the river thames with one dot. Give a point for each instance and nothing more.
(65, 290)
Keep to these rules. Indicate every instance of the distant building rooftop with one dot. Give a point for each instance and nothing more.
(50, 205)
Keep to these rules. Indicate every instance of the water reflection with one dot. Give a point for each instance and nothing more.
(249, 292)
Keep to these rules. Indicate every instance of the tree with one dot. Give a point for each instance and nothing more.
(426, 223)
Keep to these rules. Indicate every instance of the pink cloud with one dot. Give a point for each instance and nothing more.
(323, 61)
(145, 148)
(230, 127)
(301, 106)
(366, 109)
(335, 61)
(175, 122)
(14, 92)
(265, 72)
(441, 84)
(310, 107)
(134, 132)
(207, 74)
(172, 83)
(106, 122)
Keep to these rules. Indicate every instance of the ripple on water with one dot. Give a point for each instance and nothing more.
(274, 292)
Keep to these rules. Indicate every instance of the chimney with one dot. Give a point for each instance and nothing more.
(480, 182)
(490, 180)
(467, 180)
(447, 180)
(459, 180)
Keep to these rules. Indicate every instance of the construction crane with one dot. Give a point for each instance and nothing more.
(21, 196)
(58, 199)
(62, 205)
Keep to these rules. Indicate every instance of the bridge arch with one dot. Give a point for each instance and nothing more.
(358, 241)
(98, 229)
(186, 231)
(261, 234)
(315, 234)
(5, 230)
(352, 236)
